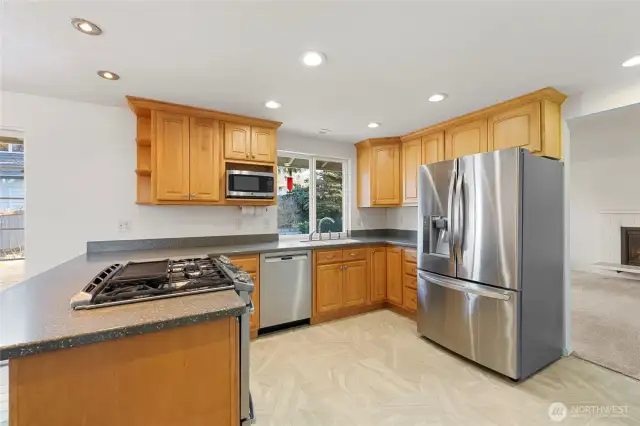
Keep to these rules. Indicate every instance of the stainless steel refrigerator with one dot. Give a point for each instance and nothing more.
(490, 259)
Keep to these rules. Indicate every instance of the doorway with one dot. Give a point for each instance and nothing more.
(12, 208)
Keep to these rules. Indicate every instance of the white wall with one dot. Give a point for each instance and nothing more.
(402, 218)
(605, 194)
(80, 182)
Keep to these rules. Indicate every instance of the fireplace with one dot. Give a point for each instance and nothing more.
(630, 251)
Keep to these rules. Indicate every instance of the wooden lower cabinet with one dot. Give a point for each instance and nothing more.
(329, 287)
(394, 275)
(378, 274)
(250, 264)
(178, 376)
(354, 284)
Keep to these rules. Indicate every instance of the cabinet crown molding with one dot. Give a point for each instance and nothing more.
(378, 141)
(548, 93)
(142, 107)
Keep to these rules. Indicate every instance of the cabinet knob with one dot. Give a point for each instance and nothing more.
(193, 195)
(254, 156)
(247, 155)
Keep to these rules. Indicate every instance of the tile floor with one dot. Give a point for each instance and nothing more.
(374, 369)
(11, 272)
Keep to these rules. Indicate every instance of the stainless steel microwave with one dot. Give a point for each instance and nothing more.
(250, 184)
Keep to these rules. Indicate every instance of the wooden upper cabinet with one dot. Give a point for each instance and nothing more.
(172, 155)
(395, 287)
(411, 161)
(378, 274)
(204, 153)
(385, 173)
(237, 141)
(329, 287)
(433, 148)
(466, 139)
(354, 289)
(263, 147)
(516, 127)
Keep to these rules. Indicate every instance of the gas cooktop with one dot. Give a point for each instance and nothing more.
(140, 281)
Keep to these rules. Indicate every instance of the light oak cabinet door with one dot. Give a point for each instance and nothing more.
(172, 156)
(254, 321)
(411, 161)
(385, 175)
(433, 148)
(262, 145)
(394, 275)
(237, 141)
(354, 289)
(378, 274)
(329, 287)
(466, 139)
(516, 127)
(204, 153)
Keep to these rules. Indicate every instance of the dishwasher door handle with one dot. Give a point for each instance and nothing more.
(285, 258)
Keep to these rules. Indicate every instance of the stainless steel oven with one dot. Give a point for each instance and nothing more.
(250, 184)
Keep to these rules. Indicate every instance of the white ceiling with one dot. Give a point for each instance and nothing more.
(608, 134)
(384, 58)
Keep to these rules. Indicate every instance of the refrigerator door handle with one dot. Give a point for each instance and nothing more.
(460, 205)
(464, 287)
(450, 214)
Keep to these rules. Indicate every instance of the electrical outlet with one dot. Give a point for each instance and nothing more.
(124, 225)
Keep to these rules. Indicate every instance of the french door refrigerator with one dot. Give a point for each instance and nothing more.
(490, 259)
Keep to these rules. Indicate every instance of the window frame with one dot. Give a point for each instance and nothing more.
(313, 159)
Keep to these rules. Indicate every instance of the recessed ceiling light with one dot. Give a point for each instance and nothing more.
(632, 62)
(108, 75)
(85, 26)
(373, 125)
(313, 59)
(273, 104)
(437, 97)
(323, 131)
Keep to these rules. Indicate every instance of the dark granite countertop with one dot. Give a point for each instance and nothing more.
(35, 315)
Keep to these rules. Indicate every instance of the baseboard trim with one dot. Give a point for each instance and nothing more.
(346, 312)
(401, 310)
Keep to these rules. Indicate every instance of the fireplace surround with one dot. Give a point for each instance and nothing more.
(630, 246)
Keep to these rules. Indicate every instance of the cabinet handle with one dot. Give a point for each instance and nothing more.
(254, 156)
(193, 195)
(247, 155)
(352, 254)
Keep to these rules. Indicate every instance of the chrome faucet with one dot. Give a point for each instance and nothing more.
(320, 225)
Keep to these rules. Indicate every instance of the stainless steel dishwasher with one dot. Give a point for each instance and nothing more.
(285, 287)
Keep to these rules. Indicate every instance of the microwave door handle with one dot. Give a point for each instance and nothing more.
(450, 213)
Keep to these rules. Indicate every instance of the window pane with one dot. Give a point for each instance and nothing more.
(17, 147)
(293, 195)
(4, 147)
(329, 193)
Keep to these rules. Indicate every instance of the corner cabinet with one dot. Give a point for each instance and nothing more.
(183, 152)
(378, 174)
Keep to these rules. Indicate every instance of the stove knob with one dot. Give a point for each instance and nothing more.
(243, 277)
(224, 259)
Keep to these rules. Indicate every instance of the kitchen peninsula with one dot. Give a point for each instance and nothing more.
(181, 352)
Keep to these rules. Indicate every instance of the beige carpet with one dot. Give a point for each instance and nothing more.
(606, 321)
